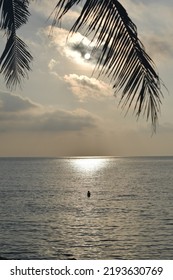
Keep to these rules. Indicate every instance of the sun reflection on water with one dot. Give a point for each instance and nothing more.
(89, 164)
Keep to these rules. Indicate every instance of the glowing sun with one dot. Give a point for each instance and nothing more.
(87, 56)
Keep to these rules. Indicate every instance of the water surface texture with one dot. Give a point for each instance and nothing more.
(45, 212)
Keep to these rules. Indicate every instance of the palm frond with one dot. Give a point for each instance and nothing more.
(123, 57)
(15, 59)
(13, 13)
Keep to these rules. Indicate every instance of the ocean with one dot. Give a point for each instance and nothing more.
(45, 212)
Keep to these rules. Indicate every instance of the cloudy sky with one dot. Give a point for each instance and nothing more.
(62, 110)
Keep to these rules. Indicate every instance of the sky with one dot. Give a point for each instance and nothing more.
(64, 110)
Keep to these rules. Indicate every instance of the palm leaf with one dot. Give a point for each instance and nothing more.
(14, 13)
(123, 57)
(15, 59)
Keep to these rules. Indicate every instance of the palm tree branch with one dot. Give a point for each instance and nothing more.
(14, 13)
(123, 58)
(15, 59)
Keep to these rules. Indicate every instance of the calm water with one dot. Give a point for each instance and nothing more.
(45, 212)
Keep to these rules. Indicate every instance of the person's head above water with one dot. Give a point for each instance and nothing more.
(88, 194)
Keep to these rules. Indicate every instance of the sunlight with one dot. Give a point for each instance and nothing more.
(89, 164)
(87, 56)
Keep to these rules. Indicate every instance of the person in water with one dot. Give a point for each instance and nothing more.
(88, 194)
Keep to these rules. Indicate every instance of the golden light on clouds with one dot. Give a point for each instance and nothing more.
(86, 88)
(75, 47)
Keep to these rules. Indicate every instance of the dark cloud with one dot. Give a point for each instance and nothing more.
(59, 120)
(14, 103)
(148, 2)
(83, 49)
(159, 46)
(19, 114)
(166, 128)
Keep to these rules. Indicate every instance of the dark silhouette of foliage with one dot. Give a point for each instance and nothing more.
(123, 58)
(15, 59)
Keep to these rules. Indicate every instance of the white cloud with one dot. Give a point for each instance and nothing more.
(88, 88)
(52, 64)
(73, 47)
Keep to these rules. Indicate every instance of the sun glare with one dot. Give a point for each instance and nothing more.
(88, 164)
(87, 56)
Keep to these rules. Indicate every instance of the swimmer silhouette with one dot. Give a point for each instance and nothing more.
(88, 194)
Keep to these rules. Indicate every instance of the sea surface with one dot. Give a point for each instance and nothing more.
(45, 212)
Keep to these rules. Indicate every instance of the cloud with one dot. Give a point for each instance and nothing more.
(83, 49)
(21, 114)
(154, 23)
(61, 120)
(159, 47)
(166, 127)
(86, 88)
(52, 64)
(46, 11)
(150, 2)
(73, 47)
(14, 103)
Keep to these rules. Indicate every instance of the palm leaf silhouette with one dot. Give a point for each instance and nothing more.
(123, 57)
(15, 59)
